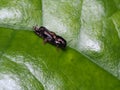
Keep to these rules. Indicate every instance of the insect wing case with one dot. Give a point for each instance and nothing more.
(50, 37)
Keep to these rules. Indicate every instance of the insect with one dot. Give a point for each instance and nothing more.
(50, 37)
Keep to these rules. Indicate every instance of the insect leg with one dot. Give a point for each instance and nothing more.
(45, 41)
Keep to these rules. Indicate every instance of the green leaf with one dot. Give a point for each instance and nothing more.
(19, 14)
(30, 64)
(91, 28)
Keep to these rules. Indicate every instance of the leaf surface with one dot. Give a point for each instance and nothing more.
(91, 28)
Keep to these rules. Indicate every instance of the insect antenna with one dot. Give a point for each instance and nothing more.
(68, 43)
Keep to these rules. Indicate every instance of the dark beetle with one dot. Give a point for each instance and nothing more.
(50, 37)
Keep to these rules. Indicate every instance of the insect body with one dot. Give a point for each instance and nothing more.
(50, 37)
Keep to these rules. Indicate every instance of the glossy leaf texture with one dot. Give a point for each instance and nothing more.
(91, 28)
(27, 64)
(19, 14)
